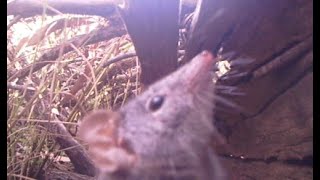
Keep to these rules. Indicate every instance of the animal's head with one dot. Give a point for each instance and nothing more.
(172, 117)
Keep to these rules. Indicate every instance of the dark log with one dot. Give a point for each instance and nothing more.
(153, 28)
(277, 120)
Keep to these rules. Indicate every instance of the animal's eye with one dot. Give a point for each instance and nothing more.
(156, 103)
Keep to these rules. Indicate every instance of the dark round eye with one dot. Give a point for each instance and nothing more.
(156, 102)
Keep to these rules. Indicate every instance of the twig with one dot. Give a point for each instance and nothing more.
(119, 58)
(11, 85)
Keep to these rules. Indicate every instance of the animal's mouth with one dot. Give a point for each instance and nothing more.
(125, 145)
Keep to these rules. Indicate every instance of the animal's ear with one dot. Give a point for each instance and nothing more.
(98, 126)
(99, 130)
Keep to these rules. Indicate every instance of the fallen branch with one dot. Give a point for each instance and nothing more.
(29, 8)
(77, 154)
(102, 34)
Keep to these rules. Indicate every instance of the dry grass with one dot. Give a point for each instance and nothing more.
(65, 89)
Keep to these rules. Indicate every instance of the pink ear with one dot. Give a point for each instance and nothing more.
(99, 130)
(99, 125)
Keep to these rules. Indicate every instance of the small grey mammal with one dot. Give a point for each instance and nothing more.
(163, 134)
